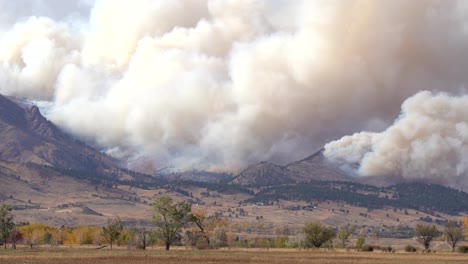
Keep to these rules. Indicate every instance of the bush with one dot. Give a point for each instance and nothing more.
(294, 242)
(410, 248)
(202, 244)
(367, 248)
(462, 249)
(360, 242)
(387, 249)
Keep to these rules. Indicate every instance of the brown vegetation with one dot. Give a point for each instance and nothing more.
(58, 256)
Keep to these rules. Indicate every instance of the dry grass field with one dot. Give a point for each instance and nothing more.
(182, 256)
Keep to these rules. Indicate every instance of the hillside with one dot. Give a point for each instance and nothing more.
(428, 198)
(42, 194)
(50, 177)
(29, 137)
(263, 174)
(314, 167)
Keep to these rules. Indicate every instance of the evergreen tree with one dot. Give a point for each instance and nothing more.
(6, 223)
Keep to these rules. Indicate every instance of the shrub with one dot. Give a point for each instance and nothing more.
(202, 244)
(367, 248)
(294, 242)
(360, 242)
(410, 248)
(462, 249)
(387, 249)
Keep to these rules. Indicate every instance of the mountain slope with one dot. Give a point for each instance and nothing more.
(314, 167)
(50, 177)
(419, 196)
(41, 194)
(263, 174)
(29, 137)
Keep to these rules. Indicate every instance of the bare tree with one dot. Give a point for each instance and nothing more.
(142, 236)
(453, 234)
(15, 236)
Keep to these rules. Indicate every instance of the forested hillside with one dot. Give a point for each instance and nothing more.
(419, 196)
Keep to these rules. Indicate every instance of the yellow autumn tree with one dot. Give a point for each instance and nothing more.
(37, 234)
(207, 231)
(85, 235)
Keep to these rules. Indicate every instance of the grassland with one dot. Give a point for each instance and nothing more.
(182, 256)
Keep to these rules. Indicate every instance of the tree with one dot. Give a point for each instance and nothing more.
(170, 217)
(317, 234)
(360, 242)
(112, 230)
(141, 236)
(199, 218)
(453, 234)
(208, 231)
(219, 237)
(6, 223)
(465, 225)
(29, 233)
(152, 238)
(15, 236)
(343, 235)
(425, 234)
(86, 235)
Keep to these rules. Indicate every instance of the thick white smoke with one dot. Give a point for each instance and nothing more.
(218, 84)
(428, 141)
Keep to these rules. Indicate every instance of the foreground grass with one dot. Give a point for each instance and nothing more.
(91, 256)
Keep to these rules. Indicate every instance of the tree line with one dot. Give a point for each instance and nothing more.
(169, 220)
(176, 222)
(318, 235)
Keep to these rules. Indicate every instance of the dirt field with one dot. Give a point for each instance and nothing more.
(182, 256)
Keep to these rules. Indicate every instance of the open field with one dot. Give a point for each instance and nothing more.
(182, 256)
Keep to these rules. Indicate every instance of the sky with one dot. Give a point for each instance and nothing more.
(220, 84)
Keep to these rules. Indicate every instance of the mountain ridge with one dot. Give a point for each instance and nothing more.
(27, 136)
(313, 167)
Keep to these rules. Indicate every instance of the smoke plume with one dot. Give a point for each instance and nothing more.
(218, 84)
(428, 141)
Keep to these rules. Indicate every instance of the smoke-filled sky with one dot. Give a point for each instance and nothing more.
(219, 84)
